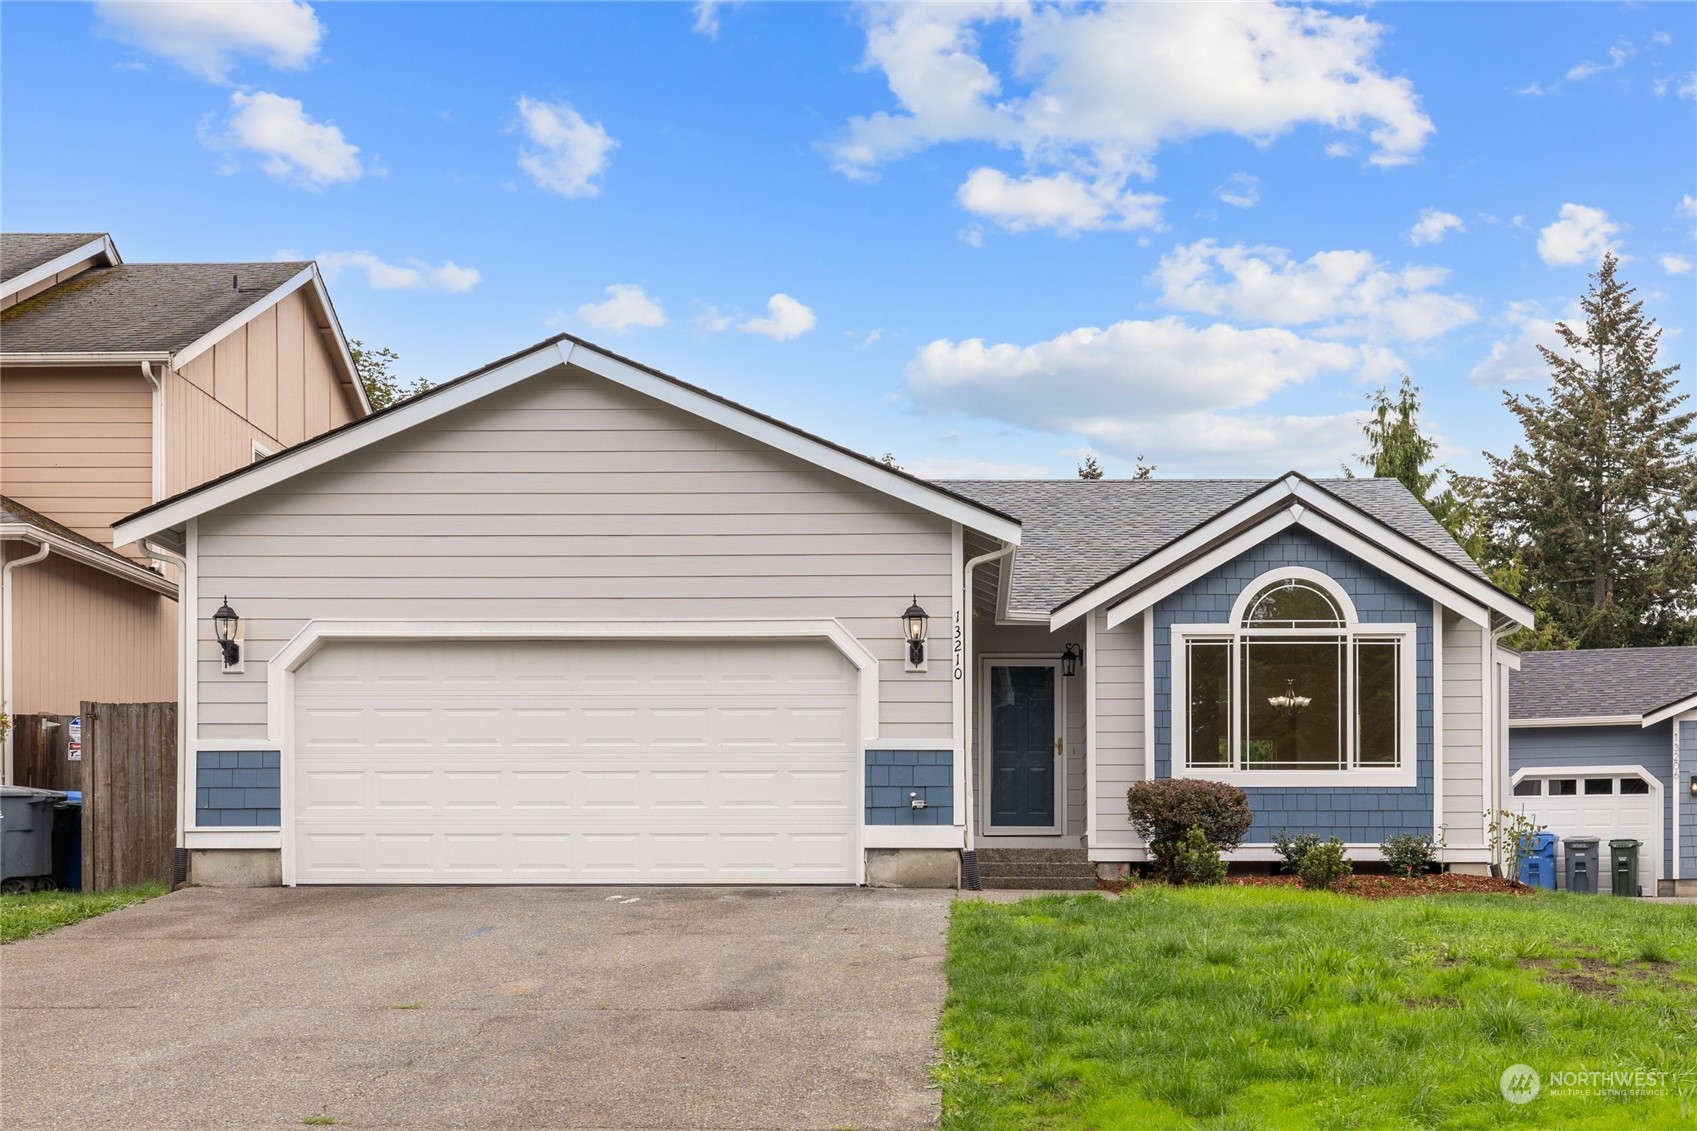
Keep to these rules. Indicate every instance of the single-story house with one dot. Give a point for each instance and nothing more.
(568, 619)
(1595, 744)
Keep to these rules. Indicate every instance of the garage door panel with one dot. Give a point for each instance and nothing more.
(1607, 816)
(658, 761)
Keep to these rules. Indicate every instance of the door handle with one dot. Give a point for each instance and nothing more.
(1057, 748)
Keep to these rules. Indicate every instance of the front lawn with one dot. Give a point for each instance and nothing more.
(1243, 1007)
(37, 912)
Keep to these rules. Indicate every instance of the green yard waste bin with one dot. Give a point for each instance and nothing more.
(1623, 857)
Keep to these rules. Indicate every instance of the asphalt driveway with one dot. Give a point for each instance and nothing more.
(480, 1007)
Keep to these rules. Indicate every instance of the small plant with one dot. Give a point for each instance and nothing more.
(1511, 840)
(1293, 848)
(1195, 860)
(1409, 855)
(1324, 865)
(1163, 811)
(320, 1121)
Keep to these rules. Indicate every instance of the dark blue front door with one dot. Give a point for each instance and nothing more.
(1022, 746)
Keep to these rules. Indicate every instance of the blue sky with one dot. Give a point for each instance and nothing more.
(987, 239)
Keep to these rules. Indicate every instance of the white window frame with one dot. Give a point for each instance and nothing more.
(1353, 631)
(260, 451)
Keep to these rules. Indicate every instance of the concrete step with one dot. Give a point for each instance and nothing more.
(1029, 855)
(1038, 868)
(1040, 883)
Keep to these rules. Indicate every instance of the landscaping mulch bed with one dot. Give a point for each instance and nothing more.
(1367, 887)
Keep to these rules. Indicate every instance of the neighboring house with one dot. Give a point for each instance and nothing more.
(568, 619)
(1603, 743)
(122, 383)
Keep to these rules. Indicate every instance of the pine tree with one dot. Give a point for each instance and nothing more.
(1090, 469)
(1598, 506)
(1398, 449)
(1144, 470)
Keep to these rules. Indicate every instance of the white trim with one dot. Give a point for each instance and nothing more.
(260, 451)
(1438, 830)
(257, 837)
(12, 531)
(1325, 582)
(1508, 658)
(911, 836)
(1090, 700)
(1679, 707)
(243, 316)
(93, 249)
(1579, 721)
(315, 453)
(156, 401)
(124, 358)
(1149, 693)
(987, 801)
(8, 704)
(1167, 583)
(1619, 770)
(962, 602)
(1371, 541)
(908, 742)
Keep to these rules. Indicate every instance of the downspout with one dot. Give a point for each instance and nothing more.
(185, 648)
(969, 673)
(6, 629)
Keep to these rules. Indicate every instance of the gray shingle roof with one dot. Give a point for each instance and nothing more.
(25, 251)
(1078, 532)
(1600, 682)
(159, 307)
(15, 511)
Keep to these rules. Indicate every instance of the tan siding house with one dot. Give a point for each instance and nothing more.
(119, 385)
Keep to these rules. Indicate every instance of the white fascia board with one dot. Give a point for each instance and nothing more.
(242, 317)
(93, 249)
(1508, 658)
(813, 451)
(1679, 707)
(317, 452)
(1397, 565)
(1199, 567)
(88, 357)
(1579, 721)
(83, 555)
(322, 294)
(1166, 557)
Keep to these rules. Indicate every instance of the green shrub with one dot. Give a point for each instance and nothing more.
(1294, 848)
(1195, 860)
(1409, 855)
(1324, 864)
(1164, 810)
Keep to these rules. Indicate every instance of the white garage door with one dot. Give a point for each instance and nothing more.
(575, 762)
(1609, 805)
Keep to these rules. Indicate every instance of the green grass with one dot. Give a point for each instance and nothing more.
(37, 912)
(1232, 1009)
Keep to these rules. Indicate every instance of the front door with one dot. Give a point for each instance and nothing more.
(1023, 751)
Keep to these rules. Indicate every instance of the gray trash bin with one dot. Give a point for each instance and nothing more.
(26, 837)
(1581, 864)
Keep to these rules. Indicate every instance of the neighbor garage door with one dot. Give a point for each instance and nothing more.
(575, 762)
(1608, 806)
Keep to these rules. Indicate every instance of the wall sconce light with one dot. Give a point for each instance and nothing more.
(1694, 785)
(1070, 655)
(914, 623)
(224, 623)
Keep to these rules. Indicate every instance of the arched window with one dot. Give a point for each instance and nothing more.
(1294, 682)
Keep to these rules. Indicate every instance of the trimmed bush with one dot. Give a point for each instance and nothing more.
(1164, 810)
(1294, 848)
(1195, 860)
(1409, 855)
(1324, 864)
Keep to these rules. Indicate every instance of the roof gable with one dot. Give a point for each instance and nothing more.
(556, 352)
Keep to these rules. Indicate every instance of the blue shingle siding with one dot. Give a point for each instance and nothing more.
(235, 788)
(1350, 813)
(892, 776)
(1648, 747)
(1687, 803)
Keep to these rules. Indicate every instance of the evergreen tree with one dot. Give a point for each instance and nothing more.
(1598, 506)
(1144, 470)
(1090, 469)
(1398, 449)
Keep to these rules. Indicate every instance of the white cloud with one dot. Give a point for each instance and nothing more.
(1240, 191)
(1580, 235)
(1062, 202)
(1183, 395)
(706, 14)
(1676, 264)
(208, 39)
(1433, 225)
(1687, 207)
(413, 275)
(785, 319)
(570, 154)
(710, 319)
(1618, 55)
(939, 467)
(1339, 149)
(1515, 357)
(1097, 90)
(1337, 293)
(291, 145)
(627, 305)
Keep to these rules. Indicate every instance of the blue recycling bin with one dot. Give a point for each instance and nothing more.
(1538, 861)
(67, 841)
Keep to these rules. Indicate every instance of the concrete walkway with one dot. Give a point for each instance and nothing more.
(481, 1007)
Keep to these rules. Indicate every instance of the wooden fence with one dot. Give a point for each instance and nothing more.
(128, 777)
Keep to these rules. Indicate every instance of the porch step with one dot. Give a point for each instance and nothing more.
(1036, 869)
